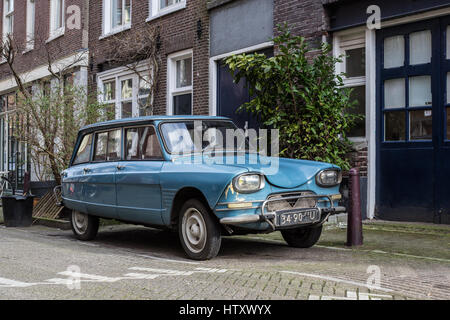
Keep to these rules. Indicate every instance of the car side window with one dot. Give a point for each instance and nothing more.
(142, 144)
(107, 146)
(113, 147)
(84, 150)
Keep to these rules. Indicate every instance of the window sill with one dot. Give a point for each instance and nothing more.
(28, 49)
(56, 34)
(162, 13)
(115, 31)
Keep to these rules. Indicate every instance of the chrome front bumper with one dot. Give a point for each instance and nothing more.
(269, 216)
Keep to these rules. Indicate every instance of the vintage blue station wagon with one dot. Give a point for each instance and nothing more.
(149, 171)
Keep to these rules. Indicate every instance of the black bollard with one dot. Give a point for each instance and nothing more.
(354, 220)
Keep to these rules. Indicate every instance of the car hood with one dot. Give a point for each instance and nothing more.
(280, 172)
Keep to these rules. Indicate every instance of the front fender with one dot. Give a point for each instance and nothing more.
(210, 180)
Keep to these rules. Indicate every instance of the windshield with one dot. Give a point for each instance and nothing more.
(180, 137)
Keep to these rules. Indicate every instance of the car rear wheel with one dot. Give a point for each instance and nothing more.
(302, 237)
(199, 233)
(84, 226)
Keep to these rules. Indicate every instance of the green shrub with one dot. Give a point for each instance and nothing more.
(298, 92)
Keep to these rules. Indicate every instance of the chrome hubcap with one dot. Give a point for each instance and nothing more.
(80, 222)
(194, 230)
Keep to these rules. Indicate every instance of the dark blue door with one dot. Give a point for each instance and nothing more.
(411, 113)
(230, 96)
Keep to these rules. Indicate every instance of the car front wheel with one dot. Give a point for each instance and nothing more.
(199, 233)
(302, 237)
(84, 226)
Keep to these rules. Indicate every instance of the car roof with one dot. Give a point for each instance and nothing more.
(138, 120)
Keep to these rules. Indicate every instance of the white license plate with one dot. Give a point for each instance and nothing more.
(302, 216)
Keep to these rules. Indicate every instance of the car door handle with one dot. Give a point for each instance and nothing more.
(119, 167)
(86, 170)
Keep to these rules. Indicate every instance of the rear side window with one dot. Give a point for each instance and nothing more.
(107, 146)
(142, 144)
(84, 150)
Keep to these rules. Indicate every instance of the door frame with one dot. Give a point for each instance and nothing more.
(433, 68)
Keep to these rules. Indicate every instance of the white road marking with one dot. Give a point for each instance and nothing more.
(12, 283)
(354, 283)
(352, 295)
(167, 260)
(152, 273)
(88, 276)
(164, 271)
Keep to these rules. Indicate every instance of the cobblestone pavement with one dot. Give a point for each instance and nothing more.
(130, 262)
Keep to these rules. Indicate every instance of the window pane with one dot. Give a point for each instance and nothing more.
(394, 93)
(100, 146)
(150, 144)
(448, 42)
(84, 151)
(127, 12)
(420, 91)
(127, 109)
(394, 126)
(109, 91)
(167, 3)
(420, 125)
(127, 89)
(132, 144)
(143, 106)
(448, 88)
(448, 123)
(59, 14)
(116, 13)
(142, 144)
(420, 47)
(110, 111)
(355, 62)
(358, 94)
(182, 104)
(184, 73)
(394, 52)
(144, 86)
(113, 145)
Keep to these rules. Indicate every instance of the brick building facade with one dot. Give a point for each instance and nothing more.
(184, 27)
(41, 37)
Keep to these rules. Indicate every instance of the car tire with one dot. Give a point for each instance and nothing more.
(84, 226)
(199, 232)
(302, 237)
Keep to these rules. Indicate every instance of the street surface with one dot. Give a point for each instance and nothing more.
(132, 262)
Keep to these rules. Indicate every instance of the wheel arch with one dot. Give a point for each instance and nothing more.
(181, 197)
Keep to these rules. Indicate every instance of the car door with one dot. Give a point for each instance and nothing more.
(138, 177)
(74, 177)
(100, 184)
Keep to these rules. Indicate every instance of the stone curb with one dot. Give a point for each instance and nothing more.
(52, 223)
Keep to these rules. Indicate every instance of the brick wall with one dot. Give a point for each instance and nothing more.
(178, 32)
(58, 48)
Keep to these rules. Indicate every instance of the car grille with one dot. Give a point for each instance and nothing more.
(278, 202)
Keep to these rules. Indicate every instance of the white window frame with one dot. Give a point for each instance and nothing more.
(56, 32)
(117, 75)
(6, 16)
(107, 28)
(30, 28)
(172, 89)
(342, 43)
(155, 10)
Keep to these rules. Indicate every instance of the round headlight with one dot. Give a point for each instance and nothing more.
(246, 183)
(329, 178)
